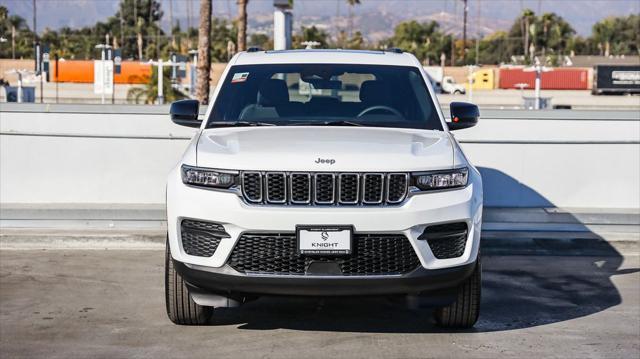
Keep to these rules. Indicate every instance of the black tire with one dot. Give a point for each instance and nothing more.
(457, 92)
(464, 312)
(181, 308)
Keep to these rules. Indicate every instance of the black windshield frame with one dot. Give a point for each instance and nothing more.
(405, 91)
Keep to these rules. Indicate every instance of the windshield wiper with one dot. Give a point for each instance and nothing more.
(239, 124)
(328, 123)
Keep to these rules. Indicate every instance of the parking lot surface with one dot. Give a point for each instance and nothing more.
(110, 304)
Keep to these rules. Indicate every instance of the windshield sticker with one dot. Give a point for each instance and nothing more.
(239, 77)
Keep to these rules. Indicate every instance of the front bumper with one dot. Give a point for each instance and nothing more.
(419, 282)
(409, 219)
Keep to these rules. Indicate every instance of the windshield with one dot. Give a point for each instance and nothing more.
(324, 95)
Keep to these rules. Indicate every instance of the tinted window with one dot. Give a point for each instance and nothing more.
(301, 94)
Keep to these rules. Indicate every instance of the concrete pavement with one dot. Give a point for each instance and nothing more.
(110, 304)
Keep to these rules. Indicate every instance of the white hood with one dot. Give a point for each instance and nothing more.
(344, 149)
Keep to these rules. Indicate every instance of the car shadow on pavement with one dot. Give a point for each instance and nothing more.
(536, 282)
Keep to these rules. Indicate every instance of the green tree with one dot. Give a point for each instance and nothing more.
(262, 41)
(491, 49)
(222, 34)
(19, 37)
(138, 30)
(617, 35)
(424, 40)
(540, 35)
(311, 33)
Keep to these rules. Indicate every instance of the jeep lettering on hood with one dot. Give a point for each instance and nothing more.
(327, 161)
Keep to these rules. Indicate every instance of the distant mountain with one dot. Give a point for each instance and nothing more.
(375, 18)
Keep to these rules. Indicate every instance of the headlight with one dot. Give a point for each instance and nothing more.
(441, 179)
(206, 177)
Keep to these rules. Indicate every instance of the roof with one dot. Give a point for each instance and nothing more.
(322, 56)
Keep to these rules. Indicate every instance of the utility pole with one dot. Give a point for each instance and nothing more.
(453, 50)
(35, 29)
(464, 30)
(57, 59)
(38, 49)
(121, 26)
(173, 38)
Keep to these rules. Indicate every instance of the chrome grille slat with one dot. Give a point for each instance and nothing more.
(251, 183)
(348, 188)
(276, 187)
(396, 187)
(372, 188)
(300, 188)
(324, 188)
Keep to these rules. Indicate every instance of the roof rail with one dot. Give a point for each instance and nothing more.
(395, 50)
(254, 49)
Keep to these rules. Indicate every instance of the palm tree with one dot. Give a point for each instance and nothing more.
(603, 32)
(204, 58)
(16, 23)
(139, 26)
(242, 25)
(148, 94)
(351, 3)
(526, 20)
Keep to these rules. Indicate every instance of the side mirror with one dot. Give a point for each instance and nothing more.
(185, 113)
(463, 115)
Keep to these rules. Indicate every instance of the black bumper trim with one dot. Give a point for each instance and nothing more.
(420, 281)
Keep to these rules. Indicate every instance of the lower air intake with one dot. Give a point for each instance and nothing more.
(446, 240)
(201, 238)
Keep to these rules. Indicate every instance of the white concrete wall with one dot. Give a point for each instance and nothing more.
(89, 156)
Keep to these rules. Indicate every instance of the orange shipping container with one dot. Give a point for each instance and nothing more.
(558, 79)
(81, 71)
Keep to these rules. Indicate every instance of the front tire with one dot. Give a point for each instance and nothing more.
(464, 312)
(181, 308)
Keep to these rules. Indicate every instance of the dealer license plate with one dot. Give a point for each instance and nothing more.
(320, 240)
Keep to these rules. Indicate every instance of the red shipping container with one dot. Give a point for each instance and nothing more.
(557, 79)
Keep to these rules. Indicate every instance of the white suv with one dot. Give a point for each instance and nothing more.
(323, 173)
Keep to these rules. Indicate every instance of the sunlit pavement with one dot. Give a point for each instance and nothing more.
(110, 304)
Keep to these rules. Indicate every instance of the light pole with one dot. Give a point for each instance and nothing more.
(471, 69)
(160, 63)
(538, 68)
(192, 72)
(20, 73)
(103, 56)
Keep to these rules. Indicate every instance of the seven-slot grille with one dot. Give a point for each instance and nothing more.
(324, 188)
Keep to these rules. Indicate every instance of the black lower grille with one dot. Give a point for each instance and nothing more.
(201, 238)
(446, 240)
(276, 253)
